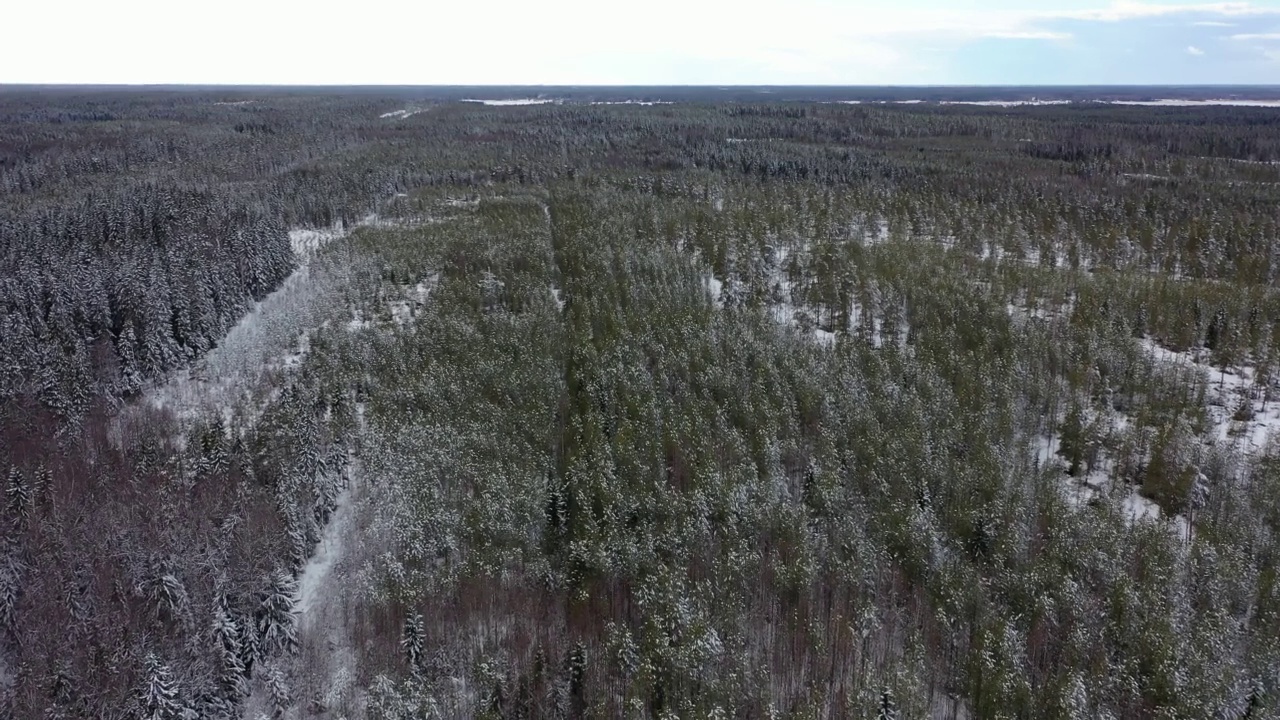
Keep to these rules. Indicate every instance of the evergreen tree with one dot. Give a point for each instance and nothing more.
(159, 698)
(1073, 439)
(278, 689)
(888, 709)
(232, 673)
(277, 615)
(412, 642)
(18, 497)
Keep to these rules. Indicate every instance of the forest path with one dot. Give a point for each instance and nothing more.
(273, 336)
(322, 676)
(326, 598)
(270, 337)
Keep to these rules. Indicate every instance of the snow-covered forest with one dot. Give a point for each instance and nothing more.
(384, 404)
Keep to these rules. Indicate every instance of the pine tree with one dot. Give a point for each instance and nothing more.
(127, 352)
(277, 615)
(41, 485)
(62, 686)
(1073, 439)
(412, 642)
(1077, 700)
(232, 673)
(577, 674)
(166, 591)
(18, 495)
(10, 593)
(888, 708)
(159, 699)
(279, 691)
(250, 643)
(491, 291)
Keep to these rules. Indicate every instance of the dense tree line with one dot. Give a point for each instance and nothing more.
(103, 295)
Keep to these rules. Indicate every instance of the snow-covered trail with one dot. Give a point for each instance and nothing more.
(273, 336)
(252, 348)
(322, 677)
(331, 549)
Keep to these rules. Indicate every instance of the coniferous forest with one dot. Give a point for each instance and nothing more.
(658, 403)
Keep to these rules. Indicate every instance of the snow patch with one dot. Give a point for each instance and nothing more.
(632, 102)
(513, 101)
(305, 241)
(328, 661)
(1230, 393)
(469, 203)
(327, 553)
(1006, 103)
(412, 298)
(273, 336)
(400, 114)
(1169, 102)
(715, 287)
(1100, 481)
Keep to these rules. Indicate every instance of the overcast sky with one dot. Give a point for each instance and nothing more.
(840, 42)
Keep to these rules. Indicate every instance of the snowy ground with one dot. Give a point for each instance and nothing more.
(238, 376)
(715, 287)
(399, 114)
(1099, 481)
(1232, 392)
(307, 241)
(632, 102)
(1199, 103)
(1244, 422)
(1005, 103)
(273, 336)
(514, 101)
(412, 298)
(803, 318)
(1034, 102)
(326, 588)
(322, 677)
(1043, 311)
(469, 203)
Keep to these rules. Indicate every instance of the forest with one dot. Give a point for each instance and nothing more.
(655, 403)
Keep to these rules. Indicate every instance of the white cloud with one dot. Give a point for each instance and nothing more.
(1132, 10)
(1028, 35)
(1193, 50)
(1256, 36)
(1212, 23)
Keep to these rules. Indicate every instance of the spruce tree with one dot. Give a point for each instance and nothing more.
(412, 642)
(277, 614)
(159, 698)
